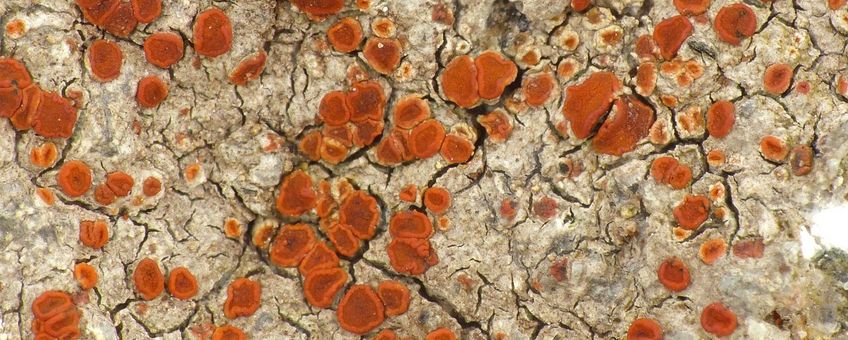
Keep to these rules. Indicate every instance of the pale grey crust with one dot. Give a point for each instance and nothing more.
(614, 224)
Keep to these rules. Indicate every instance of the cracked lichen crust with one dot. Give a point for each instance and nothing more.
(545, 236)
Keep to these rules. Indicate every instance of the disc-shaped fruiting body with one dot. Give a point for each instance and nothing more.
(213, 33)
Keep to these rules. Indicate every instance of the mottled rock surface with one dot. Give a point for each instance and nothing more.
(577, 260)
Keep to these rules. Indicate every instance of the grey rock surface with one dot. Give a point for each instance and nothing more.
(585, 273)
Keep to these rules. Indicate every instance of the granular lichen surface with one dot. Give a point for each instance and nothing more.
(423, 169)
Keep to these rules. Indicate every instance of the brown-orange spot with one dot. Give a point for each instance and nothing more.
(366, 101)
(409, 193)
(321, 286)
(310, 145)
(777, 78)
(360, 211)
(163, 49)
(692, 211)
(11, 98)
(93, 234)
(297, 195)
(249, 69)
(120, 183)
(121, 21)
(43, 156)
(46, 196)
(459, 82)
(345, 35)
(644, 329)
(16, 28)
(670, 34)
(105, 59)
(673, 274)
(96, 11)
(442, 14)
(366, 132)
(444, 333)
(668, 170)
(411, 255)
(148, 279)
(537, 88)
(801, 160)
(410, 111)
(319, 9)
(86, 275)
(15, 73)
(226, 332)
(494, 73)
(151, 186)
(712, 250)
(630, 121)
(22, 118)
(411, 224)
(395, 297)
(243, 296)
(74, 178)
(292, 244)
(718, 320)
(588, 101)
(645, 48)
(55, 116)
(319, 257)
(334, 108)
(580, 5)
(545, 208)
(716, 157)
(213, 33)
(735, 22)
(151, 92)
(182, 284)
(145, 11)
(720, 118)
(332, 150)
(382, 54)
(103, 195)
(386, 334)
(392, 149)
(751, 248)
(232, 228)
(425, 140)
(773, 148)
(456, 149)
(692, 7)
(343, 239)
(646, 79)
(498, 125)
(360, 310)
(437, 200)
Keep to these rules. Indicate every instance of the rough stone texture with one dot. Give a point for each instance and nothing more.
(613, 224)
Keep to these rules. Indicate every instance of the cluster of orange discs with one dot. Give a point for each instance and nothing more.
(347, 222)
(351, 119)
(415, 135)
(410, 251)
(75, 179)
(588, 102)
(150, 282)
(467, 81)
(382, 52)
(213, 36)
(27, 106)
(55, 316)
(674, 275)
(118, 17)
